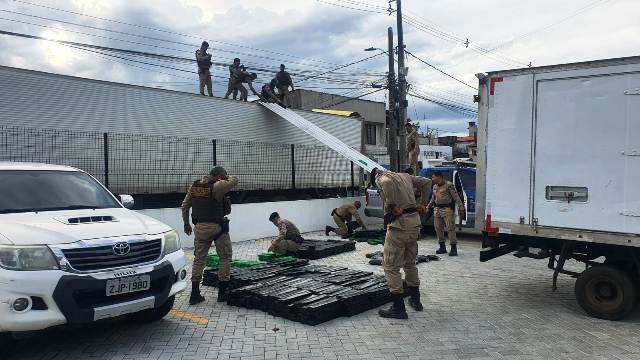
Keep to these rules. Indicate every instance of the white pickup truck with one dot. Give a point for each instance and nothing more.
(71, 253)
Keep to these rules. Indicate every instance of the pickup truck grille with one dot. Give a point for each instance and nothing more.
(103, 257)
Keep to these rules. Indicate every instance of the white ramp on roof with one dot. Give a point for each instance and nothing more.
(323, 136)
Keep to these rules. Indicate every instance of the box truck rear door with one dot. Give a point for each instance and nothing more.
(583, 176)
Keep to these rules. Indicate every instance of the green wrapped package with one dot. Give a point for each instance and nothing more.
(272, 257)
(213, 261)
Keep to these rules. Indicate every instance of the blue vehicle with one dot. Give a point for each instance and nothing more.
(464, 179)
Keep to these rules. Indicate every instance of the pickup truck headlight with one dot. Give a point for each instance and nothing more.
(171, 242)
(27, 258)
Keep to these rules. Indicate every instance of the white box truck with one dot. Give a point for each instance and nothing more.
(559, 174)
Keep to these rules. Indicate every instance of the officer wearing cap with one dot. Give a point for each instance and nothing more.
(209, 206)
(283, 80)
(289, 238)
(204, 65)
(443, 202)
(413, 146)
(401, 240)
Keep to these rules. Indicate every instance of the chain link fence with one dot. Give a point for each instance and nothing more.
(142, 164)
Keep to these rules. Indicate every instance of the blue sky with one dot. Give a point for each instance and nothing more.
(313, 36)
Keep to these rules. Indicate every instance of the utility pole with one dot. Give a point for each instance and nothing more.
(402, 90)
(392, 142)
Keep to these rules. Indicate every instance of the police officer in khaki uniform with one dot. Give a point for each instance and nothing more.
(444, 199)
(413, 147)
(204, 68)
(289, 238)
(401, 240)
(284, 80)
(342, 217)
(234, 76)
(209, 206)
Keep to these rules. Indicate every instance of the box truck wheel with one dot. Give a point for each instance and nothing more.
(7, 345)
(152, 315)
(606, 292)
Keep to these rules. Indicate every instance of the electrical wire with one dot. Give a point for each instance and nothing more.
(439, 70)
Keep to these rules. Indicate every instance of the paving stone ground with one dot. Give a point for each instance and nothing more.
(502, 309)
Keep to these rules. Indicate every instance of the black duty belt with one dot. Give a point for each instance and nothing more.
(335, 212)
(442, 206)
(389, 217)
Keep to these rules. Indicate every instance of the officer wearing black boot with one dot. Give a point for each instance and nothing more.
(401, 240)
(443, 202)
(209, 206)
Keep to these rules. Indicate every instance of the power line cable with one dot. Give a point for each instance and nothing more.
(439, 70)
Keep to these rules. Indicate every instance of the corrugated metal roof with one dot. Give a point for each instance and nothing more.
(44, 100)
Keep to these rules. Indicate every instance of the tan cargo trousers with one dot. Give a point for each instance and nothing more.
(205, 79)
(204, 234)
(283, 91)
(445, 217)
(400, 252)
(413, 161)
(281, 247)
(342, 229)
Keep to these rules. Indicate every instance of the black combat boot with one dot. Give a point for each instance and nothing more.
(442, 250)
(222, 291)
(327, 230)
(454, 250)
(397, 309)
(196, 297)
(414, 300)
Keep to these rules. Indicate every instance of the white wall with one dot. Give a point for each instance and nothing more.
(251, 221)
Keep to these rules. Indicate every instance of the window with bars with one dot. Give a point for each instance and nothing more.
(370, 134)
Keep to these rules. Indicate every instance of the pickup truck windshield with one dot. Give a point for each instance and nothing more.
(30, 191)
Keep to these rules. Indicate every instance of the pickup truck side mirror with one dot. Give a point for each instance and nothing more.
(126, 201)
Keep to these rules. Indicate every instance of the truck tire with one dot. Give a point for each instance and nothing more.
(606, 292)
(152, 315)
(7, 345)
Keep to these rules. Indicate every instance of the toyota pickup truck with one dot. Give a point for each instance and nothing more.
(71, 253)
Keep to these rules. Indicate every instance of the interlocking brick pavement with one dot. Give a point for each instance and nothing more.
(502, 309)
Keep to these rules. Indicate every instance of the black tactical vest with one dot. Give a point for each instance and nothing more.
(205, 208)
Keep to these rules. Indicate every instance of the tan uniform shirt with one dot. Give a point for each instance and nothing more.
(445, 194)
(346, 211)
(398, 189)
(220, 188)
(287, 230)
(412, 141)
(202, 56)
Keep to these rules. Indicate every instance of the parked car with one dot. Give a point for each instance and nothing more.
(71, 253)
(464, 178)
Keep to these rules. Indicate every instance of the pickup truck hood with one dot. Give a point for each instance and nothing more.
(52, 227)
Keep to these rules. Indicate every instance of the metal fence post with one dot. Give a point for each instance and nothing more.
(293, 167)
(106, 159)
(214, 153)
(353, 184)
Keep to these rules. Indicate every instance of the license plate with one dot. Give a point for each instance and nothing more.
(128, 285)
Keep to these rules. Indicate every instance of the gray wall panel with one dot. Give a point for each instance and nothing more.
(42, 100)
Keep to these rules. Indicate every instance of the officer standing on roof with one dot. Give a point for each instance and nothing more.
(289, 238)
(283, 82)
(401, 240)
(234, 76)
(413, 146)
(209, 206)
(204, 66)
(444, 199)
(342, 217)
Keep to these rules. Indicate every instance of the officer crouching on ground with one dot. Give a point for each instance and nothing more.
(401, 240)
(342, 217)
(289, 238)
(206, 198)
(444, 199)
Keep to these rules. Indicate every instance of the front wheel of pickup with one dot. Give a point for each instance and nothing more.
(155, 314)
(7, 345)
(606, 292)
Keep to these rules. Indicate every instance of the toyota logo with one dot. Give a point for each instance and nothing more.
(121, 249)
